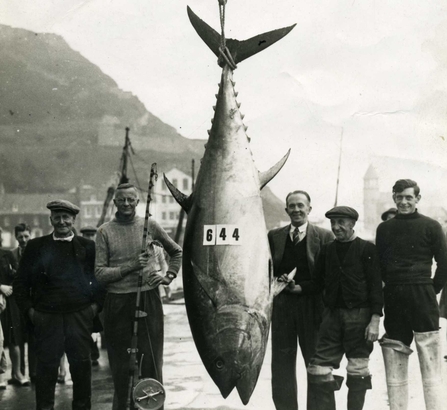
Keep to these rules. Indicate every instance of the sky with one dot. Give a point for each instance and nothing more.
(372, 71)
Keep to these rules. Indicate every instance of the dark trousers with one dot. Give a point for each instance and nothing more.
(408, 309)
(54, 334)
(119, 311)
(295, 319)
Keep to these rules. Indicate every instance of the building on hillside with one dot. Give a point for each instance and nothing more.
(31, 209)
(380, 177)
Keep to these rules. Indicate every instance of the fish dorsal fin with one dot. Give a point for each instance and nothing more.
(267, 176)
(183, 200)
(240, 50)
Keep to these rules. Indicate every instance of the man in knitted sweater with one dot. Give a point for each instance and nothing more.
(407, 245)
(118, 263)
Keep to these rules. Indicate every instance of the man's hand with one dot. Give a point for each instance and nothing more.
(141, 261)
(6, 290)
(156, 279)
(284, 278)
(372, 330)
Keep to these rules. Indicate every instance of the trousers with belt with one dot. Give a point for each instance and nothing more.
(295, 320)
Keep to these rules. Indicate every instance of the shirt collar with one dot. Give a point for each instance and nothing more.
(66, 239)
(302, 228)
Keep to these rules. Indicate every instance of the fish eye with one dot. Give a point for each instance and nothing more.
(219, 363)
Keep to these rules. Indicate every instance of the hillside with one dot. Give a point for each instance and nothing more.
(62, 121)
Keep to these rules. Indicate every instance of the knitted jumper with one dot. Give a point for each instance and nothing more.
(118, 243)
(406, 246)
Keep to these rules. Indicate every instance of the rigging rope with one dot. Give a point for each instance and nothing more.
(223, 49)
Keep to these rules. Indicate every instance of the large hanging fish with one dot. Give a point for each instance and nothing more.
(227, 267)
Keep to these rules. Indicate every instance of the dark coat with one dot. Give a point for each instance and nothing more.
(30, 279)
(316, 238)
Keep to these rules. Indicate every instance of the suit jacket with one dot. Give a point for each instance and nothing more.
(316, 238)
(34, 263)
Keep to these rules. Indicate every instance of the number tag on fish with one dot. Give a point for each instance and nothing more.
(222, 235)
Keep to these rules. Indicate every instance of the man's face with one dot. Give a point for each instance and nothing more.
(298, 209)
(89, 235)
(23, 238)
(126, 201)
(406, 201)
(62, 222)
(343, 228)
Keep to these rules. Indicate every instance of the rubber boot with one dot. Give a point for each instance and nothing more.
(429, 353)
(320, 391)
(357, 391)
(395, 356)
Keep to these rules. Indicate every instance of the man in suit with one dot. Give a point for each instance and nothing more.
(56, 290)
(294, 316)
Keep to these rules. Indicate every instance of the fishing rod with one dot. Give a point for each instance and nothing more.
(339, 166)
(146, 394)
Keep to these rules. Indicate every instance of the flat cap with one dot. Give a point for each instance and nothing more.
(342, 212)
(89, 228)
(386, 213)
(63, 205)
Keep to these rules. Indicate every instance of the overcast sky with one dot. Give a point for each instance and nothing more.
(376, 69)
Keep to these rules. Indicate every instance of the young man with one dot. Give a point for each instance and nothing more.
(348, 272)
(118, 263)
(56, 289)
(295, 317)
(407, 245)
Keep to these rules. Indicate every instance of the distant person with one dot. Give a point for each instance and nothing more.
(389, 214)
(89, 232)
(56, 289)
(22, 233)
(348, 272)
(119, 260)
(296, 318)
(406, 246)
(11, 318)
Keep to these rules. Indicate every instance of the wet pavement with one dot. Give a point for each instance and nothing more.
(188, 386)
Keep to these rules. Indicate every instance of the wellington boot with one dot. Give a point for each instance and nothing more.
(320, 391)
(395, 356)
(429, 353)
(357, 391)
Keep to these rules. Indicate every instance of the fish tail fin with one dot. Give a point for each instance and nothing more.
(183, 200)
(240, 50)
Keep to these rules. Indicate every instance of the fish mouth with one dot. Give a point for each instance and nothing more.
(239, 353)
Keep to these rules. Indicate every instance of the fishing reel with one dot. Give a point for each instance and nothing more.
(148, 394)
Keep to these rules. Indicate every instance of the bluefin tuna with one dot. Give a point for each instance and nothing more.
(227, 266)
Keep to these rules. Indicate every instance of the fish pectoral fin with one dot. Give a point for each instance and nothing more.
(278, 287)
(211, 286)
(267, 176)
(183, 200)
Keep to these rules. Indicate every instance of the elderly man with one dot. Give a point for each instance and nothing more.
(119, 261)
(294, 316)
(407, 245)
(348, 271)
(56, 289)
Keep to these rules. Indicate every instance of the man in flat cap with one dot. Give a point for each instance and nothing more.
(389, 214)
(406, 246)
(56, 289)
(89, 232)
(119, 261)
(296, 318)
(348, 272)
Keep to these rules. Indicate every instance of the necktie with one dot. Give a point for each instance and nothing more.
(296, 236)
